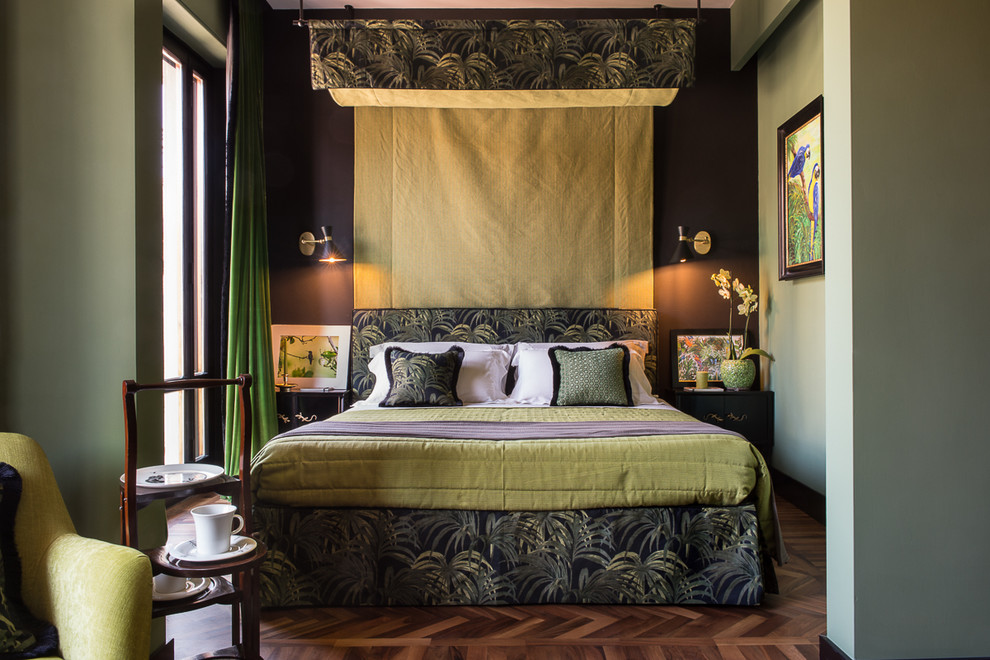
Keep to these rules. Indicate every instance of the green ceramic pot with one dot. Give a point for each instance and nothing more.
(737, 374)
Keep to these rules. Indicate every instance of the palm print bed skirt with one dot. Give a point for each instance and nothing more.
(394, 557)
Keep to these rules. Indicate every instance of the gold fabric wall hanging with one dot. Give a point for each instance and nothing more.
(503, 208)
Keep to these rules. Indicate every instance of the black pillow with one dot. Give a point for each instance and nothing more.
(591, 376)
(21, 635)
(422, 379)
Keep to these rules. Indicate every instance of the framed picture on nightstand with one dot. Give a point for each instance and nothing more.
(694, 350)
(311, 357)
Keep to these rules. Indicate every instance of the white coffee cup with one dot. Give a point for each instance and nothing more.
(213, 524)
(169, 584)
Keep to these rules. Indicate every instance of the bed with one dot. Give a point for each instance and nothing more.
(504, 499)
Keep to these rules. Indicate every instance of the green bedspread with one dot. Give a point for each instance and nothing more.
(522, 475)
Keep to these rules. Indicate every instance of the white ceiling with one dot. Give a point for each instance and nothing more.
(497, 4)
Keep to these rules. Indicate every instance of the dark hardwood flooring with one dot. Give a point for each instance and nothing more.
(785, 626)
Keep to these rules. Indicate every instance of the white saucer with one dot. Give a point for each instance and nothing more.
(239, 545)
(173, 476)
(193, 587)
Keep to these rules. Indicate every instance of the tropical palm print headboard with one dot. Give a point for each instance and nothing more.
(493, 326)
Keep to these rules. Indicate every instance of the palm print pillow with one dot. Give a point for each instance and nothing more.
(422, 379)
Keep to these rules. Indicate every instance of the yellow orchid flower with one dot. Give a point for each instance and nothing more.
(749, 303)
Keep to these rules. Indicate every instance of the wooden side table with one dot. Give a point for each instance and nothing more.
(296, 407)
(241, 590)
(749, 413)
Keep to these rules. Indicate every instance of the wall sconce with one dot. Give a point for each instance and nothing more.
(702, 243)
(329, 253)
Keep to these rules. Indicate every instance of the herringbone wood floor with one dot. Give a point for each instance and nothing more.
(785, 626)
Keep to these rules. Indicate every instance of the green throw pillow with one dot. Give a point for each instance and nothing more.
(21, 635)
(591, 377)
(422, 379)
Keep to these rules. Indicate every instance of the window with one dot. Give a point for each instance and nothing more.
(192, 217)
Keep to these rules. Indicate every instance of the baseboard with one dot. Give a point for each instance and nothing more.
(827, 650)
(804, 498)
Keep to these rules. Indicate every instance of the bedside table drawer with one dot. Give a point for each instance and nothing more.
(748, 413)
(298, 408)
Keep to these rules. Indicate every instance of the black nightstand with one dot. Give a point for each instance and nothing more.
(296, 408)
(747, 412)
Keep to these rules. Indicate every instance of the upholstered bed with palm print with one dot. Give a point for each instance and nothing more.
(472, 489)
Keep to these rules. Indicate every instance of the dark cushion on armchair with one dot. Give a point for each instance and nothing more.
(21, 634)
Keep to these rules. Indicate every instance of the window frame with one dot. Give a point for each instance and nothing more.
(214, 182)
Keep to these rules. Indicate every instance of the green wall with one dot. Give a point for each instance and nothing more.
(753, 21)
(840, 511)
(81, 214)
(891, 326)
(212, 14)
(790, 71)
(201, 25)
(907, 572)
(920, 89)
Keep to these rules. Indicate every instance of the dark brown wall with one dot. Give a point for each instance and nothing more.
(309, 160)
(705, 155)
(705, 177)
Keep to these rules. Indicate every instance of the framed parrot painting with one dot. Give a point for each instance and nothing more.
(801, 186)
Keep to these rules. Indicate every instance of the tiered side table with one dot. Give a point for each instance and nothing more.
(241, 590)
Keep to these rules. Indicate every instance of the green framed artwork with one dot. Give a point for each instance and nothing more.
(311, 357)
(694, 350)
(801, 186)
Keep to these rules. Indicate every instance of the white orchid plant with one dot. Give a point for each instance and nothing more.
(749, 302)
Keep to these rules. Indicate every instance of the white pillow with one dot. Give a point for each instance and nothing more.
(639, 346)
(436, 347)
(534, 378)
(480, 380)
(534, 373)
(641, 388)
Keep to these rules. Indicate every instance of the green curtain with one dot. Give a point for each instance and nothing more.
(249, 322)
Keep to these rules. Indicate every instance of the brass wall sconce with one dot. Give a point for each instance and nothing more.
(702, 243)
(329, 252)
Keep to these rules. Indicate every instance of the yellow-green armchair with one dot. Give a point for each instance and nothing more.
(97, 594)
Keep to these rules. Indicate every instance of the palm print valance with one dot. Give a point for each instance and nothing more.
(503, 54)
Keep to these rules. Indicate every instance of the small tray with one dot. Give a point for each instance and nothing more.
(174, 476)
